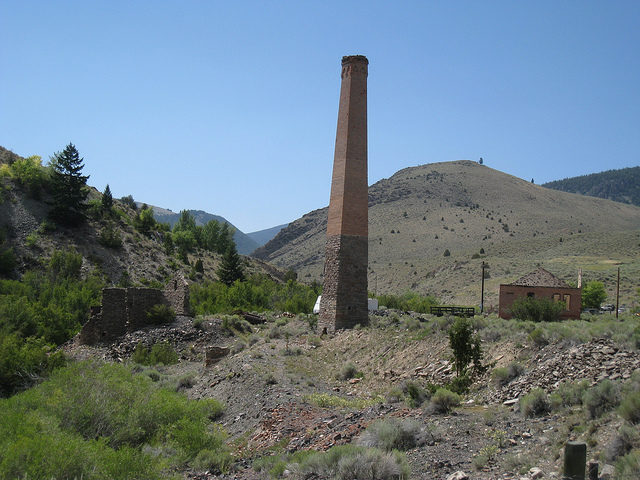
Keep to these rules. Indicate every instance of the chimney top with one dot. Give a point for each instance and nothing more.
(355, 59)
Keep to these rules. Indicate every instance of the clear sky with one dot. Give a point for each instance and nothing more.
(231, 106)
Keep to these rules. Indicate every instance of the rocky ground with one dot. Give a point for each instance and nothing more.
(272, 376)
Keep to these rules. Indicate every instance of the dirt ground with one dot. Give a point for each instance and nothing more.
(273, 375)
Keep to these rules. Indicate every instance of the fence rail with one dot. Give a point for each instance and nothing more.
(456, 311)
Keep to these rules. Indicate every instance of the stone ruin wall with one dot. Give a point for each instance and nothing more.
(125, 310)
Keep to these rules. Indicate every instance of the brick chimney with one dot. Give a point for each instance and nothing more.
(344, 296)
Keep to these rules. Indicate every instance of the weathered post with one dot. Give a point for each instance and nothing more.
(575, 460)
(344, 294)
(592, 468)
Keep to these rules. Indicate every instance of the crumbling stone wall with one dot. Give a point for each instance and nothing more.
(139, 302)
(177, 294)
(125, 310)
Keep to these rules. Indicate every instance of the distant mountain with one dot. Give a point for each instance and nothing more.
(621, 185)
(431, 227)
(244, 243)
(263, 236)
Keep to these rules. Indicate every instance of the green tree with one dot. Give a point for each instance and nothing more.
(107, 200)
(466, 347)
(186, 222)
(144, 220)
(211, 235)
(69, 186)
(593, 294)
(231, 267)
(226, 238)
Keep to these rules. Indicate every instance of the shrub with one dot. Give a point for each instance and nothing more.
(539, 337)
(416, 394)
(504, 375)
(161, 353)
(535, 403)
(568, 394)
(444, 400)
(601, 398)
(110, 237)
(630, 408)
(91, 421)
(347, 462)
(628, 467)
(392, 434)
(537, 309)
(235, 324)
(160, 314)
(622, 443)
(447, 253)
(348, 371)
(460, 384)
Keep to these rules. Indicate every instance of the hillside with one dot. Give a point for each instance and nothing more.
(244, 243)
(421, 212)
(141, 259)
(263, 236)
(621, 185)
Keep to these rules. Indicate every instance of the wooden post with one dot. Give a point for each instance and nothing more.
(575, 460)
(484, 265)
(618, 293)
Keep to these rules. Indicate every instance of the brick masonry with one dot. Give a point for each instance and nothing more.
(571, 296)
(125, 310)
(344, 296)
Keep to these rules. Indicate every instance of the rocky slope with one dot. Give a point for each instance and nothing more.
(269, 380)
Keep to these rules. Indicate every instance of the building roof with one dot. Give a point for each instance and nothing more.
(540, 278)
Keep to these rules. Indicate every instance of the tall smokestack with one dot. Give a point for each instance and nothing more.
(344, 296)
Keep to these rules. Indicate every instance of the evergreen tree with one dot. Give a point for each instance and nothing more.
(107, 199)
(69, 186)
(225, 239)
(231, 267)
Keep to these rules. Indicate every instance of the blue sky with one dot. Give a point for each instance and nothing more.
(231, 107)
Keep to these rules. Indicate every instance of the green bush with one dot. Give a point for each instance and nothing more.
(444, 400)
(348, 371)
(110, 237)
(537, 309)
(160, 353)
(348, 462)
(160, 314)
(416, 394)
(630, 408)
(628, 467)
(622, 442)
(91, 421)
(601, 398)
(409, 302)
(568, 394)
(392, 434)
(504, 375)
(535, 403)
(258, 293)
(234, 324)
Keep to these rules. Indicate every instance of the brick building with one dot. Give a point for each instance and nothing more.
(541, 284)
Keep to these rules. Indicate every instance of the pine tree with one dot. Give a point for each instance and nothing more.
(69, 186)
(107, 200)
(231, 267)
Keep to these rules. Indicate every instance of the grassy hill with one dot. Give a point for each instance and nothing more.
(465, 208)
(621, 185)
